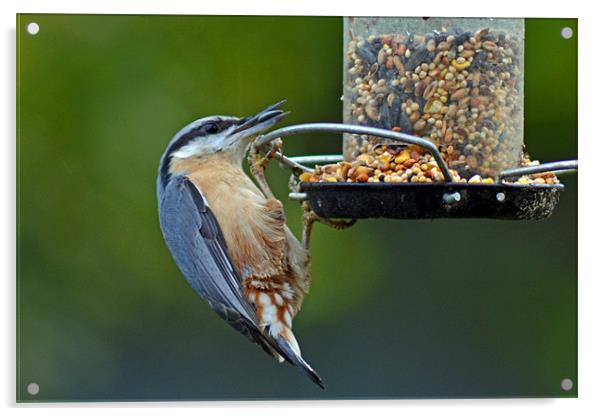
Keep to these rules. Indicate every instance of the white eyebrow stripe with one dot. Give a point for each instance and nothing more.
(187, 150)
(202, 145)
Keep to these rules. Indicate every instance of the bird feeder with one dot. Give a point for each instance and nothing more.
(433, 112)
(457, 82)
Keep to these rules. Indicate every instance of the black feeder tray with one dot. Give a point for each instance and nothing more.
(344, 200)
(432, 200)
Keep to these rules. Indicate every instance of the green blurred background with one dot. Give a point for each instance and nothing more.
(443, 308)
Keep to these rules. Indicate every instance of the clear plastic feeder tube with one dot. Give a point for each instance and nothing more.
(455, 81)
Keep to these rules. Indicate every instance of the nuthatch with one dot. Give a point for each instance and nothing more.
(229, 238)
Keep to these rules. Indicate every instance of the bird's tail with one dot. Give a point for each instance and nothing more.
(290, 352)
(275, 314)
(279, 346)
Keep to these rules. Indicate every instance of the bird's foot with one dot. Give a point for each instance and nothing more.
(258, 164)
(336, 224)
(274, 147)
(310, 217)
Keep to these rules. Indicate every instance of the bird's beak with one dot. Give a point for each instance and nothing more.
(261, 121)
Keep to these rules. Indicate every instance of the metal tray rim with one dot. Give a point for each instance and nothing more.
(307, 186)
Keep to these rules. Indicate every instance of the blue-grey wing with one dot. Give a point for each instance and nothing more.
(197, 245)
(198, 248)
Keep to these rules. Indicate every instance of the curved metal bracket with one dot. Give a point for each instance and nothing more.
(317, 159)
(564, 165)
(352, 129)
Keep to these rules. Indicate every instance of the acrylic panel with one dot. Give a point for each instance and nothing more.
(397, 309)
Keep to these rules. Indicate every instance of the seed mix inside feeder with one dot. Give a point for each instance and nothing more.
(434, 126)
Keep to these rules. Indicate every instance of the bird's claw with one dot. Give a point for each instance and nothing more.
(336, 224)
(272, 148)
(259, 163)
(310, 217)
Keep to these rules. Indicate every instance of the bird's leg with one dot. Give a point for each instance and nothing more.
(258, 165)
(310, 217)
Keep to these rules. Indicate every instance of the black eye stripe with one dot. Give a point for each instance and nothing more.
(201, 131)
(211, 128)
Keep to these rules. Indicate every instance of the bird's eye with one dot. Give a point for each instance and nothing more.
(211, 128)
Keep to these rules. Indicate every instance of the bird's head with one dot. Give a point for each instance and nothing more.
(228, 135)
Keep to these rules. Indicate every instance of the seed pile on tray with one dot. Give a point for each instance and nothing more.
(544, 178)
(461, 90)
(404, 164)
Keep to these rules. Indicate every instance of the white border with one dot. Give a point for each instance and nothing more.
(590, 287)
